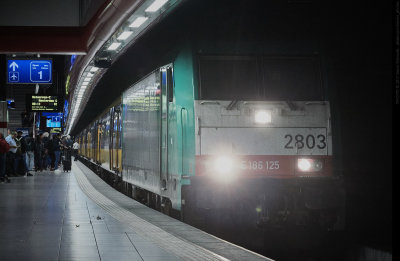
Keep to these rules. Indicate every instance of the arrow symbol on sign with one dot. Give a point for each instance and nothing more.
(13, 65)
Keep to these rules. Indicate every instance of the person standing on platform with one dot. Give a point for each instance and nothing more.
(51, 157)
(56, 151)
(75, 147)
(68, 142)
(45, 152)
(21, 155)
(4, 148)
(30, 147)
(10, 169)
(38, 150)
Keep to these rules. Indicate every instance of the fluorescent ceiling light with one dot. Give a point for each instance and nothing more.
(138, 22)
(124, 35)
(87, 79)
(94, 69)
(84, 83)
(113, 46)
(157, 4)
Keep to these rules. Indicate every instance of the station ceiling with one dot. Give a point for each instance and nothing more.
(53, 26)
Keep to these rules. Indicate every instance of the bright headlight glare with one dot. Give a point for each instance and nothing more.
(223, 170)
(263, 116)
(309, 165)
(304, 164)
(223, 164)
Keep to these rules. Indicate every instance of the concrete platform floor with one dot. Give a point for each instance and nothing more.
(48, 217)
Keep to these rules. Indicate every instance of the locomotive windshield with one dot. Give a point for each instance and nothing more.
(260, 78)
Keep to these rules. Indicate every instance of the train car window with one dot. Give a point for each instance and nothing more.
(228, 78)
(292, 78)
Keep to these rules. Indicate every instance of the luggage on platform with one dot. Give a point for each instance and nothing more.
(66, 165)
(67, 160)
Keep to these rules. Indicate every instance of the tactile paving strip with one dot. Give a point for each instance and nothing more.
(176, 246)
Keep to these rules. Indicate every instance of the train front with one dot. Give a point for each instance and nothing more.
(265, 165)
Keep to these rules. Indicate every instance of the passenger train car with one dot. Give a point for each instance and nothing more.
(245, 138)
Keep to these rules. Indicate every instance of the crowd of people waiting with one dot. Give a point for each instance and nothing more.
(20, 155)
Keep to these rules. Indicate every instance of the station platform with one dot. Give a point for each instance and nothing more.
(77, 216)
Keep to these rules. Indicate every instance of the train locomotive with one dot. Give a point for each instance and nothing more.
(220, 138)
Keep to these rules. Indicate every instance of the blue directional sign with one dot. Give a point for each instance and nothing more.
(29, 71)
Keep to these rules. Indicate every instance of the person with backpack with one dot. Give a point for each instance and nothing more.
(21, 155)
(4, 148)
(30, 146)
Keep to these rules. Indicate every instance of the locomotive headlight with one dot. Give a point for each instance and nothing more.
(304, 164)
(224, 170)
(262, 116)
(309, 165)
(223, 164)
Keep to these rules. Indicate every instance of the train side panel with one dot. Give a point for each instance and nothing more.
(141, 134)
(158, 130)
(181, 124)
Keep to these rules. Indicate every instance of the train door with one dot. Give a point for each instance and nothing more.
(184, 125)
(119, 148)
(116, 118)
(89, 143)
(112, 138)
(93, 142)
(98, 143)
(166, 99)
(85, 142)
